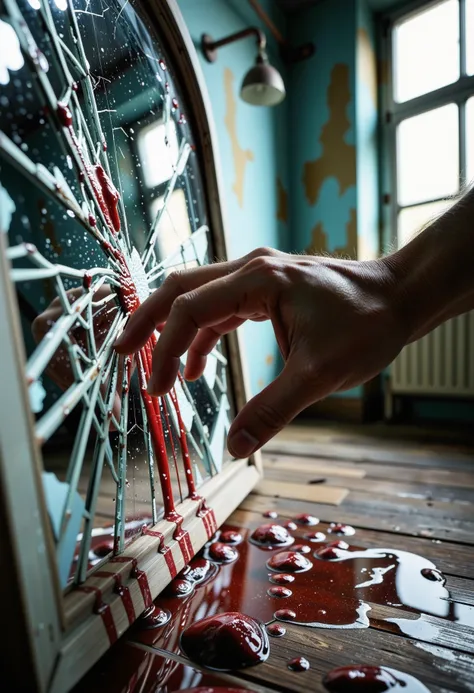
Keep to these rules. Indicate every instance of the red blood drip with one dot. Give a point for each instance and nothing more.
(110, 196)
(290, 562)
(208, 518)
(285, 615)
(87, 280)
(329, 553)
(371, 679)
(75, 86)
(162, 64)
(156, 431)
(315, 536)
(301, 548)
(276, 630)
(339, 544)
(104, 146)
(298, 664)
(102, 550)
(162, 548)
(433, 575)
(282, 579)
(182, 119)
(226, 641)
(154, 617)
(126, 597)
(306, 519)
(92, 220)
(272, 514)
(230, 536)
(179, 588)
(339, 528)
(199, 570)
(64, 115)
(141, 578)
(222, 553)
(103, 610)
(271, 535)
(175, 104)
(184, 447)
(279, 592)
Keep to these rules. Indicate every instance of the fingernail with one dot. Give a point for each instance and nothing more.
(151, 387)
(119, 341)
(242, 444)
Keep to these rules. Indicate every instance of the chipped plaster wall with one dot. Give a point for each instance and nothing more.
(252, 146)
(323, 155)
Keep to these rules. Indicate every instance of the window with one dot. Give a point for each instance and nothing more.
(429, 111)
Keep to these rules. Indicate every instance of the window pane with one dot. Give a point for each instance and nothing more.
(158, 148)
(470, 36)
(470, 139)
(428, 156)
(426, 51)
(174, 225)
(412, 220)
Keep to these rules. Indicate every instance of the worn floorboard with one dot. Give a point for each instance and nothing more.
(400, 488)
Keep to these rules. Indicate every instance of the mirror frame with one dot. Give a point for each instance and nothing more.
(54, 638)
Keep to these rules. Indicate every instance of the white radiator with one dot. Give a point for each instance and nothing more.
(439, 364)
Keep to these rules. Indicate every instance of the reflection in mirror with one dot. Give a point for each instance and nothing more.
(101, 198)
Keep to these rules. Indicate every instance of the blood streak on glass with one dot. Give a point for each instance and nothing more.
(107, 198)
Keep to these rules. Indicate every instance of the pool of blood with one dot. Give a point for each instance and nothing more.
(335, 592)
(127, 668)
(371, 679)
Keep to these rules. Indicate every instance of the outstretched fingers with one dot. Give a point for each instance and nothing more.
(157, 307)
(235, 297)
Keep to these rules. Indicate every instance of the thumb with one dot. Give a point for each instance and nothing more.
(272, 409)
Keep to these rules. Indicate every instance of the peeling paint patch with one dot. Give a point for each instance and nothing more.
(241, 156)
(338, 158)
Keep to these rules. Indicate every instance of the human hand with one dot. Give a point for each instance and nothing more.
(334, 322)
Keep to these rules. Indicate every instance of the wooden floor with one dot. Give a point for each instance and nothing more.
(406, 489)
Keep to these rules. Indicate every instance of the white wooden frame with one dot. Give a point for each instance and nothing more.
(57, 637)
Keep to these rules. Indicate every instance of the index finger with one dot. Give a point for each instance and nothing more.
(156, 308)
(238, 295)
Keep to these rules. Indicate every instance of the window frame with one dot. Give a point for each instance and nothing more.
(393, 113)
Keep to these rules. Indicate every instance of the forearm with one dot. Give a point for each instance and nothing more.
(433, 275)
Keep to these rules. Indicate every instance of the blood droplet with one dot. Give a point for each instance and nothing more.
(226, 641)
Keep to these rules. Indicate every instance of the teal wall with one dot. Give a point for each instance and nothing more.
(251, 221)
(323, 173)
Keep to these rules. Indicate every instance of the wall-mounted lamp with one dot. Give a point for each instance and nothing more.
(262, 85)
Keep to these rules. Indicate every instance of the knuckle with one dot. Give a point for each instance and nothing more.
(183, 302)
(174, 278)
(264, 265)
(271, 418)
(263, 251)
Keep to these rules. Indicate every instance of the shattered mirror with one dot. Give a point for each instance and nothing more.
(101, 197)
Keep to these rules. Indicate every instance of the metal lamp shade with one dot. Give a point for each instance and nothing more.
(263, 86)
